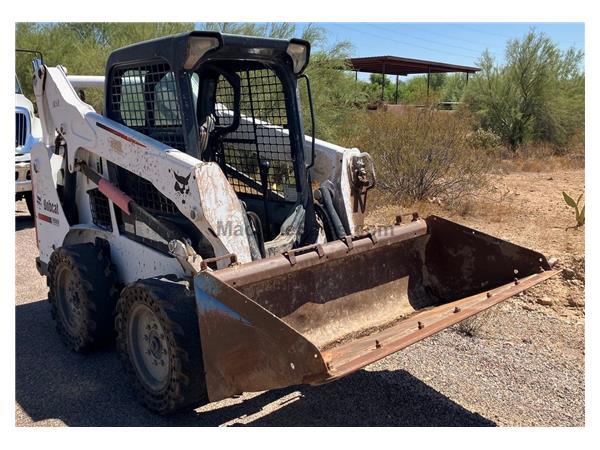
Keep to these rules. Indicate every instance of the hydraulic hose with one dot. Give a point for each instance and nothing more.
(331, 211)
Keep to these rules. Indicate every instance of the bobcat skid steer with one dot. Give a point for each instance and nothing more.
(194, 221)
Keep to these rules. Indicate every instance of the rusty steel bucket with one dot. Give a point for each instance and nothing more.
(321, 312)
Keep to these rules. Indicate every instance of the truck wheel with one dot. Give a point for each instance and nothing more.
(159, 343)
(83, 295)
(29, 200)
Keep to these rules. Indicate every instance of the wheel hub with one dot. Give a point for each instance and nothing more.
(68, 302)
(149, 347)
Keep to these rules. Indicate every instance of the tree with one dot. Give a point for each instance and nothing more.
(453, 88)
(389, 88)
(537, 95)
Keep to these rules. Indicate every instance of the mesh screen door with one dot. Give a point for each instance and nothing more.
(262, 135)
(145, 98)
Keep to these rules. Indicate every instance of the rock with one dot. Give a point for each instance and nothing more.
(568, 274)
(527, 307)
(575, 301)
(545, 301)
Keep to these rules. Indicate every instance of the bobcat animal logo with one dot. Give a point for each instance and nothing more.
(182, 183)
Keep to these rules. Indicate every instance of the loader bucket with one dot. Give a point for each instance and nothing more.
(321, 312)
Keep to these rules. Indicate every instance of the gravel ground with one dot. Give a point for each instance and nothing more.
(523, 366)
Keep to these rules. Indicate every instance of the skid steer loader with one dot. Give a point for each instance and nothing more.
(194, 221)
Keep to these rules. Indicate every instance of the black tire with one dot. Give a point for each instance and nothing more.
(83, 294)
(161, 354)
(28, 196)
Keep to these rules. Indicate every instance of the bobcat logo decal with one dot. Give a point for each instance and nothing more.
(182, 183)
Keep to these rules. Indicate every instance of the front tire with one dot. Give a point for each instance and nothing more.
(83, 295)
(159, 343)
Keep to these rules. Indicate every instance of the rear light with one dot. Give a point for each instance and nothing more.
(299, 52)
(197, 47)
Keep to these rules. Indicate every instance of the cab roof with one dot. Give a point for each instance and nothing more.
(173, 49)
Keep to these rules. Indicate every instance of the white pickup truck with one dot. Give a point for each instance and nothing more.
(28, 132)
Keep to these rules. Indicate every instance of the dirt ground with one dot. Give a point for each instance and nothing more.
(522, 364)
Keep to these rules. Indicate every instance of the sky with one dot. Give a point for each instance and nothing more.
(454, 43)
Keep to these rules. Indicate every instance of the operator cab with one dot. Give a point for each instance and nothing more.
(226, 99)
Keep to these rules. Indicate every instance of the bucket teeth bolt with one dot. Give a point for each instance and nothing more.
(421, 325)
(377, 344)
(456, 310)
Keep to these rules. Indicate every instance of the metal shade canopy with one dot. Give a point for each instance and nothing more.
(395, 65)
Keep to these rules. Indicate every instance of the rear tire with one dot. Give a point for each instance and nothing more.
(159, 343)
(28, 196)
(83, 295)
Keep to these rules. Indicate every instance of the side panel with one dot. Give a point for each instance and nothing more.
(50, 220)
(133, 261)
(245, 347)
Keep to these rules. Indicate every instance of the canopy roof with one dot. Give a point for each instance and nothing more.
(395, 65)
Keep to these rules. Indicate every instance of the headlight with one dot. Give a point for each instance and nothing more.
(197, 47)
(299, 51)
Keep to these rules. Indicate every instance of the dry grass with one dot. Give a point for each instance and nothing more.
(488, 203)
(539, 158)
(541, 164)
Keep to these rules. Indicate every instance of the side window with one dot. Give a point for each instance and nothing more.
(130, 102)
(166, 106)
(145, 98)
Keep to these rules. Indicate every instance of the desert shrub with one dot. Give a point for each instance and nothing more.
(420, 154)
(484, 140)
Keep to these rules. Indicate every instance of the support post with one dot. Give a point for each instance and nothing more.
(383, 83)
(428, 78)
(356, 76)
(396, 96)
